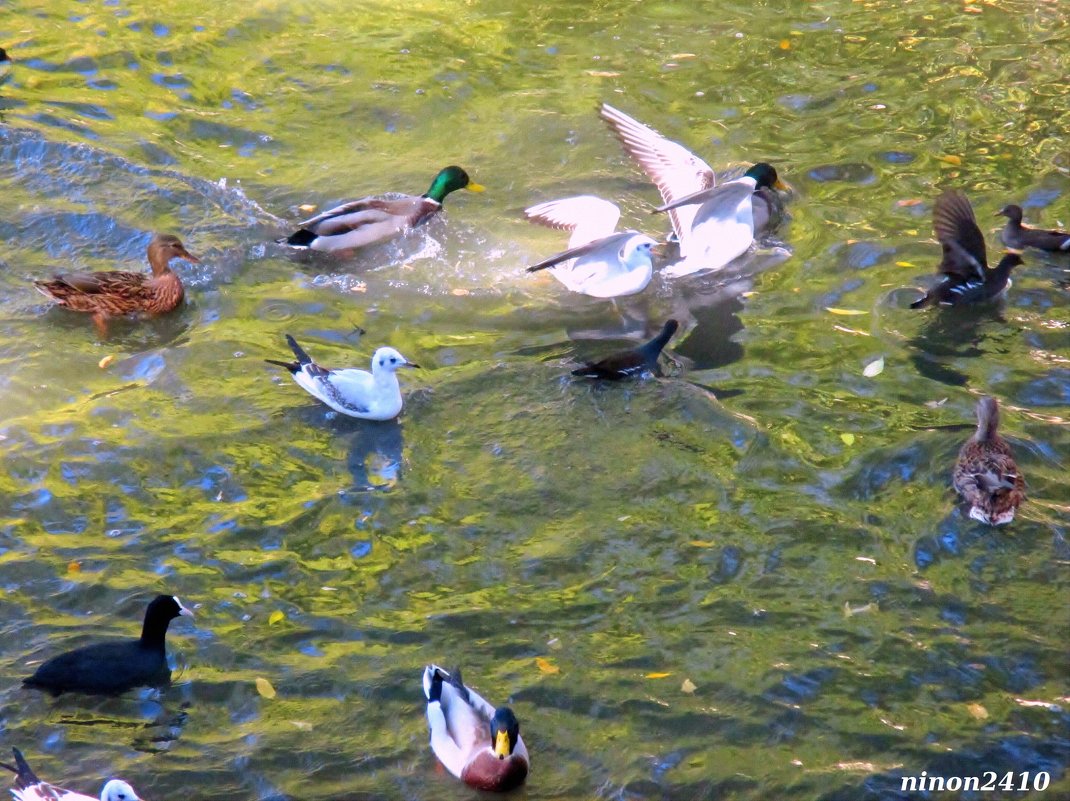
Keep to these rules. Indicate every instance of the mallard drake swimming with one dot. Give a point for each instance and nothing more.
(986, 474)
(113, 293)
(1018, 236)
(713, 224)
(30, 788)
(363, 222)
(631, 363)
(607, 264)
(964, 265)
(357, 393)
(477, 743)
(115, 666)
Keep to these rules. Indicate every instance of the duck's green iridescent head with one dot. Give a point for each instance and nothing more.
(764, 175)
(450, 180)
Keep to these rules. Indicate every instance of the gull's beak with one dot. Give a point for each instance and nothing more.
(474, 187)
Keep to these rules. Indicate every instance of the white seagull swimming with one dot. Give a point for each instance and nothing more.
(607, 264)
(30, 788)
(357, 393)
(713, 224)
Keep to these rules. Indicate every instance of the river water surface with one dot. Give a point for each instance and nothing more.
(745, 580)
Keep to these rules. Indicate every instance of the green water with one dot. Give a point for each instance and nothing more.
(765, 524)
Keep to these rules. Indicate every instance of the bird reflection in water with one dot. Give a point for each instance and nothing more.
(374, 457)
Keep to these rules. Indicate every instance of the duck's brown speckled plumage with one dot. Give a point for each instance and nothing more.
(113, 293)
(986, 474)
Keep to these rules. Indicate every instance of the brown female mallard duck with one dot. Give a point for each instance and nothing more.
(477, 743)
(1018, 236)
(363, 222)
(986, 474)
(113, 293)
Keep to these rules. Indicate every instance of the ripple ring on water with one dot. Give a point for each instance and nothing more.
(276, 311)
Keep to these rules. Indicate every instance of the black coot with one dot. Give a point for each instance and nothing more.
(117, 666)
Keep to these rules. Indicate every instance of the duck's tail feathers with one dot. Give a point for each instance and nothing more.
(303, 238)
(987, 419)
(293, 367)
(433, 683)
(24, 775)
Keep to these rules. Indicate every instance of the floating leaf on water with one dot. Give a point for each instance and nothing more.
(907, 202)
(869, 559)
(688, 687)
(874, 368)
(848, 438)
(701, 543)
(276, 617)
(603, 74)
(460, 292)
(678, 56)
(904, 264)
(554, 644)
(360, 286)
(303, 725)
(844, 312)
(546, 666)
(854, 331)
(851, 611)
(785, 44)
(950, 159)
(936, 404)
(1043, 704)
(107, 360)
(263, 686)
(74, 567)
(657, 675)
(977, 712)
(306, 207)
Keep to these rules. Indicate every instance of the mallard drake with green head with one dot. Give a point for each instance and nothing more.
(477, 743)
(1018, 236)
(364, 222)
(713, 224)
(967, 278)
(986, 474)
(113, 293)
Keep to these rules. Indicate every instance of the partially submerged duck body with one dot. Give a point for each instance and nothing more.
(986, 474)
(1018, 236)
(369, 220)
(114, 293)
